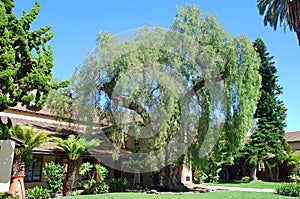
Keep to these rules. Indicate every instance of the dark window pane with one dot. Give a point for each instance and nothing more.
(33, 171)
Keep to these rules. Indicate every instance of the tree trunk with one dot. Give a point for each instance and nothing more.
(253, 172)
(227, 173)
(270, 168)
(72, 169)
(18, 166)
(172, 177)
(293, 12)
(277, 172)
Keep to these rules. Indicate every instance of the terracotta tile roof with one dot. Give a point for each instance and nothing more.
(26, 117)
(289, 136)
(20, 108)
(292, 136)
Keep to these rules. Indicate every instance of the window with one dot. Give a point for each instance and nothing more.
(34, 170)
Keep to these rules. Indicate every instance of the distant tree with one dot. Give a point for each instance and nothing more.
(268, 137)
(281, 11)
(60, 103)
(25, 59)
(74, 147)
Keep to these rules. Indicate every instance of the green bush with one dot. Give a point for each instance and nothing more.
(200, 176)
(246, 179)
(53, 177)
(93, 186)
(288, 189)
(102, 172)
(37, 192)
(101, 187)
(119, 184)
(8, 196)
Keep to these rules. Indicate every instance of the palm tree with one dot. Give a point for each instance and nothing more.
(74, 147)
(32, 138)
(286, 11)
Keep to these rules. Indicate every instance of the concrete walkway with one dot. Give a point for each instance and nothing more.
(239, 189)
(200, 186)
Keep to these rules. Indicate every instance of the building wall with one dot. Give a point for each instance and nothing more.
(295, 145)
(6, 160)
(29, 185)
(147, 180)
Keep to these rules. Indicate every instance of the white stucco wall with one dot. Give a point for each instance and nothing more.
(6, 160)
(186, 174)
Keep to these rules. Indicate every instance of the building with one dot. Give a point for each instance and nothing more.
(45, 121)
(293, 138)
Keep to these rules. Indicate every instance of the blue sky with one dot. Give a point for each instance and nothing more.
(76, 24)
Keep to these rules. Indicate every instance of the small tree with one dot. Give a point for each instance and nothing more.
(75, 147)
(53, 177)
(32, 138)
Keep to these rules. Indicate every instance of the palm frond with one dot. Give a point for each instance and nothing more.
(30, 135)
(76, 146)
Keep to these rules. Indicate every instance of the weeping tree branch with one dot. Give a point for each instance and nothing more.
(134, 105)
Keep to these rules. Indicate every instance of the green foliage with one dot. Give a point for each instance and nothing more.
(31, 137)
(246, 179)
(199, 176)
(8, 196)
(134, 164)
(95, 187)
(214, 174)
(207, 170)
(119, 184)
(294, 161)
(25, 59)
(288, 189)
(4, 129)
(102, 172)
(60, 103)
(75, 192)
(274, 12)
(37, 192)
(76, 146)
(53, 177)
(268, 136)
(101, 187)
(203, 48)
(85, 168)
(285, 13)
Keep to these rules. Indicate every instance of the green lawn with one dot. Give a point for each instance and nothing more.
(254, 184)
(211, 195)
